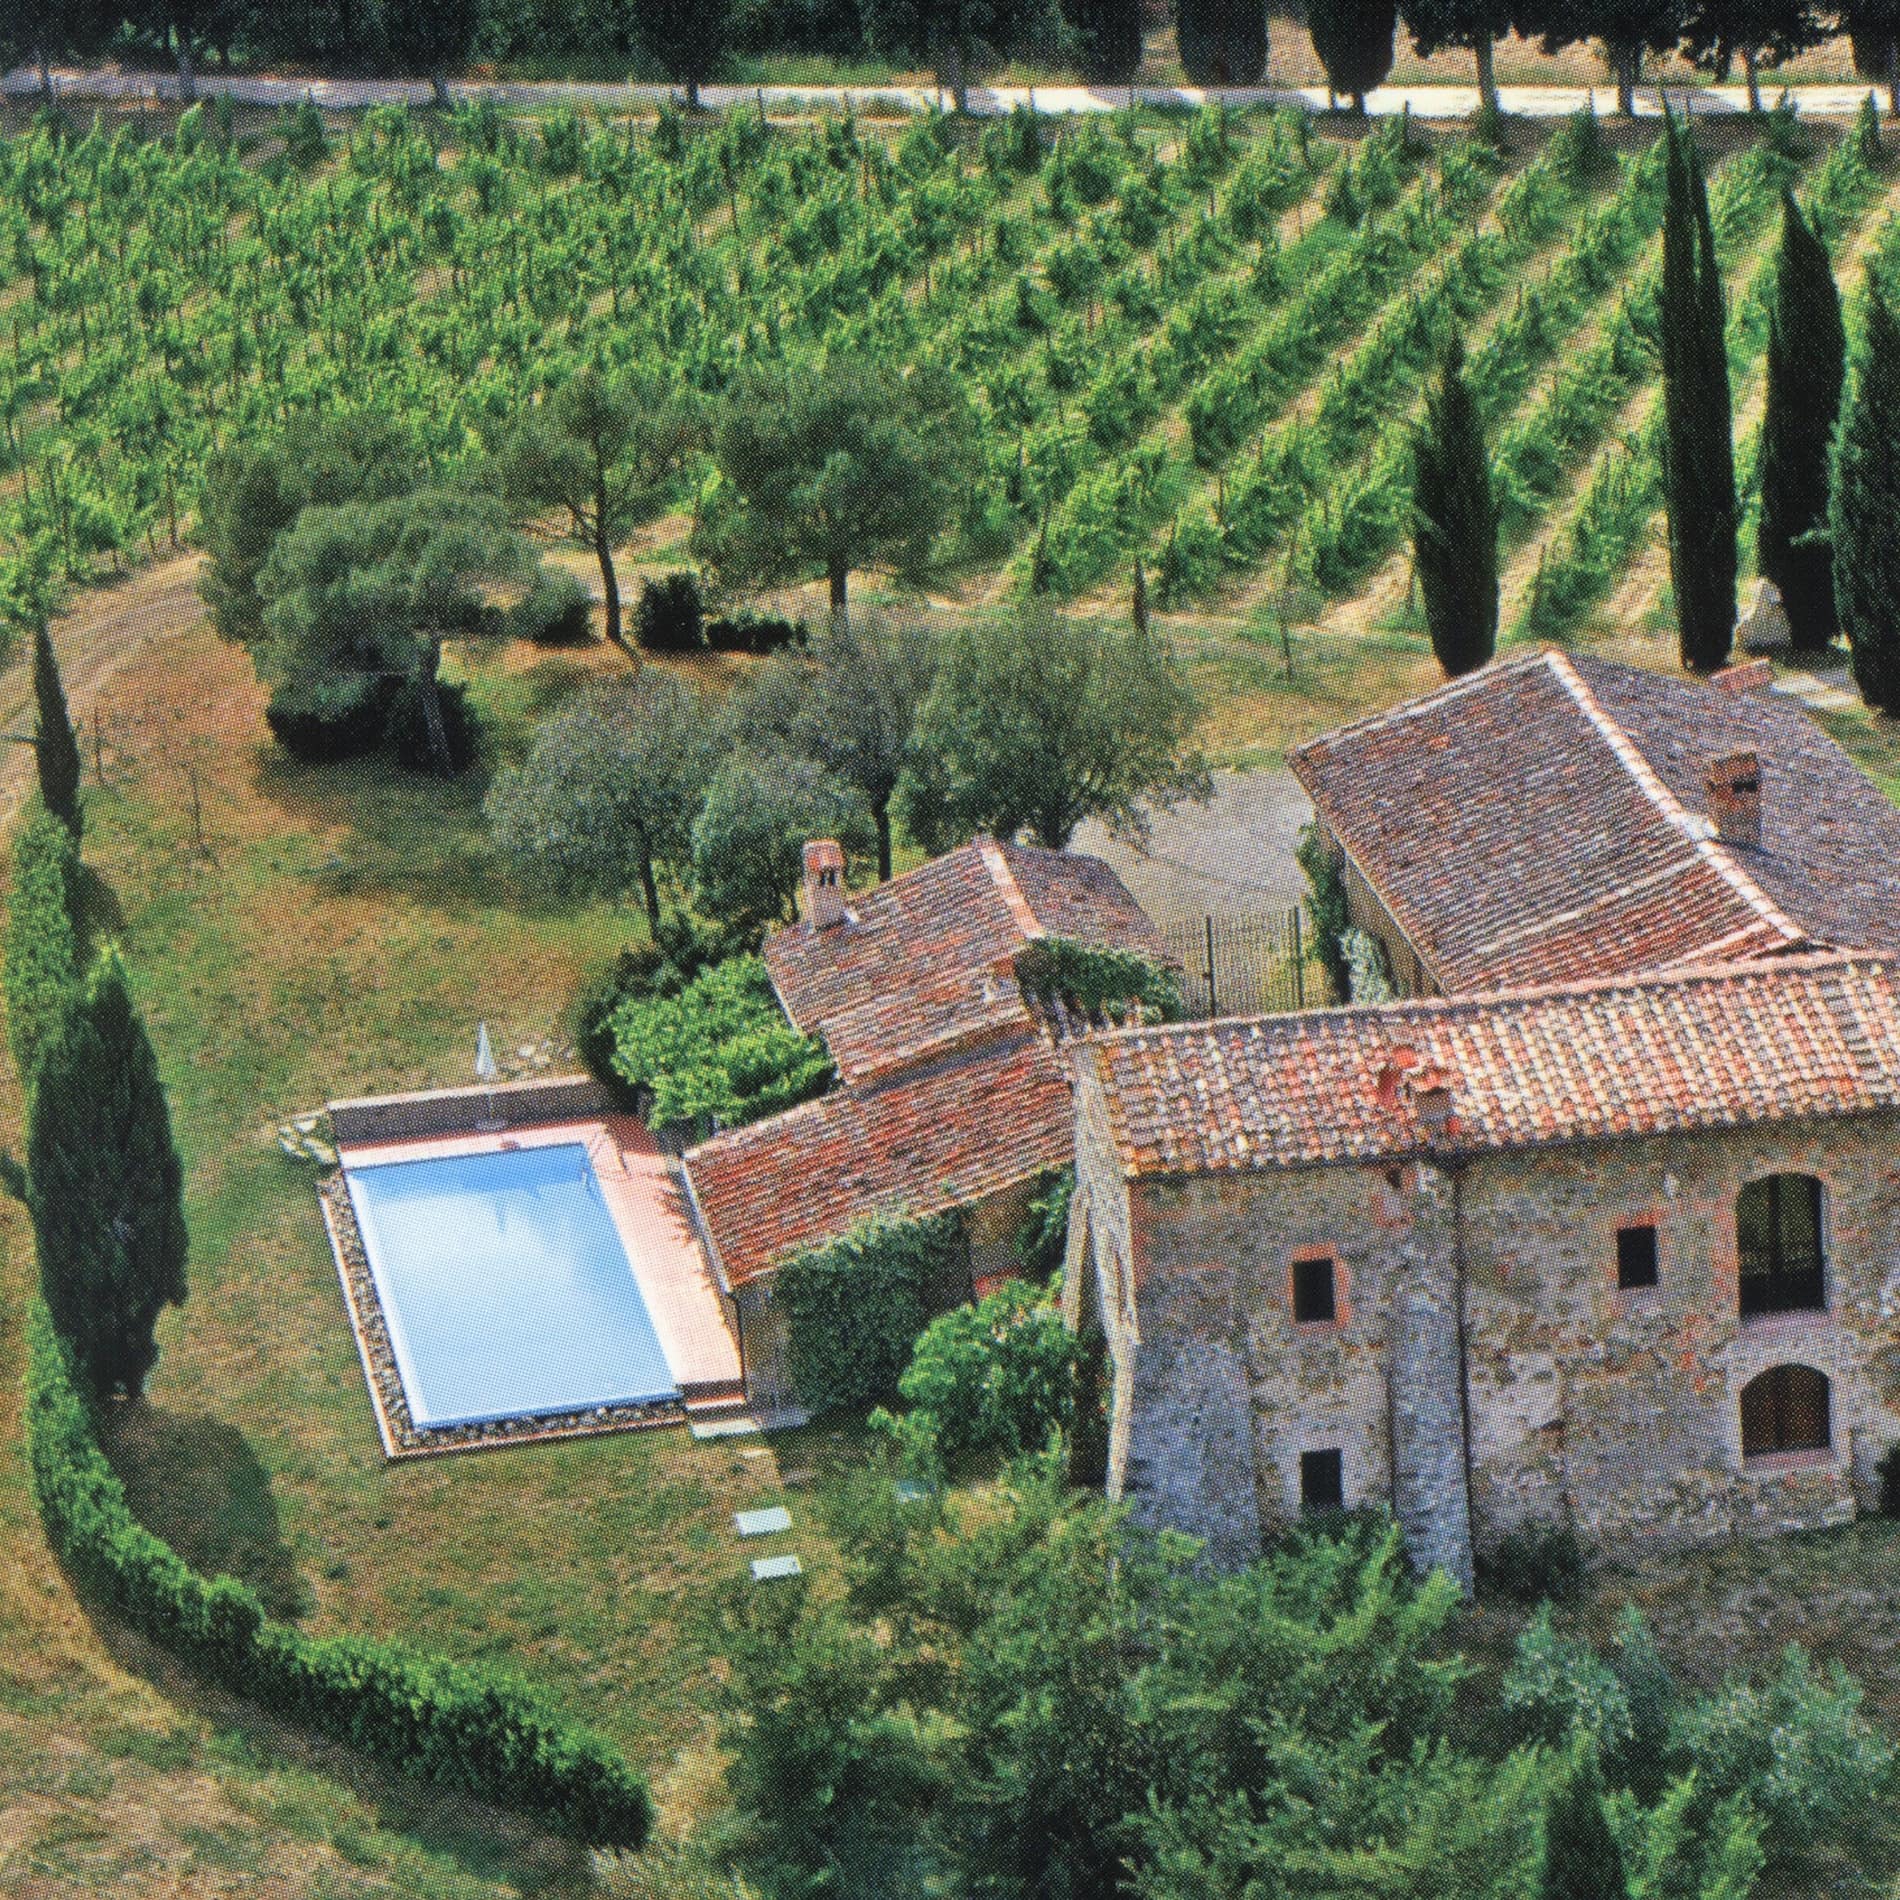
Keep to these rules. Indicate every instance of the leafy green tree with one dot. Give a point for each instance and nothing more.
(1455, 523)
(1581, 1858)
(1758, 32)
(749, 838)
(38, 32)
(1807, 370)
(687, 37)
(1354, 41)
(851, 703)
(1873, 29)
(829, 469)
(1109, 38)
(55, 749)
(599, 453)
(610, 789)
(1699, 446)
(105, 1186)
(950, 36)
(1864, 505)
(431, 37)
(255, 490)
(1473, 26)
(377, 588)
(186, 28)
(1037, 721)
(1627, 28)
(1222, 42)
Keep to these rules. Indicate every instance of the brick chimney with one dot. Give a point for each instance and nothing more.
(1431, 1099)
(1735, 798)
(824, 883)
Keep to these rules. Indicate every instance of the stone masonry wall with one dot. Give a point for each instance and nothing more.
(1618, 1412)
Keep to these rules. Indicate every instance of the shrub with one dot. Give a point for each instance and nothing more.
(338, 721)
(1540, 1560)
(1889, 1471)
(996, 1379)
(1043, 1237)
(720, 1050)
(1811, 1765)
(470, 1730)
(670, 617)
(1559, 1690)
(1369, 976)
(42, 947)
(1326, 906)
(406, 732)
(558, 614)
(855, 1308)
(754, 633)
(1096, 982)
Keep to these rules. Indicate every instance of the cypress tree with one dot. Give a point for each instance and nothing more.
(1807, 365)
(1455, 523)
(54, 745)
(1354, 41)
(1109, 40)
(105, 1185)
(1222, 42)
(1699, 450)
(1581, 1857)
(1866, 505)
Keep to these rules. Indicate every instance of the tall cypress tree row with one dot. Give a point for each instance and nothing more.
(1109, 36)
(1222, 42)
(1699, 451)
(105, 1186)
(54, 746)
(1455, 523)
(1807, 366)
(1865, 507)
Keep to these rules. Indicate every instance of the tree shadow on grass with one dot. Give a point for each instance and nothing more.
(489, 1843)
(195, 1481)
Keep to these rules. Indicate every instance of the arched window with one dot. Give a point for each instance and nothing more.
(1778, 1241)
(1785, 1409)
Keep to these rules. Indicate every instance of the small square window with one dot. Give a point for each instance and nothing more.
(1322, 1481)
(1636, 1256)
(1313, 1290)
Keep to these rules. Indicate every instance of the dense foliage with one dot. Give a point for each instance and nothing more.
(855, 1307)
(476, 1732)
(105, 1185)
(718, 1052)
(55, 748)
(42, 946)
(1866, 503)
(1105, 985)
(1455, 524)
(1327, 907)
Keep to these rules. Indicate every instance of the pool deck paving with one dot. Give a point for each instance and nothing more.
(649, 1215)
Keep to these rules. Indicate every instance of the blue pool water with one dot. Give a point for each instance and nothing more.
(504, 1286)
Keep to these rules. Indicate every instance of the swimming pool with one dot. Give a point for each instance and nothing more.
(504, 1286)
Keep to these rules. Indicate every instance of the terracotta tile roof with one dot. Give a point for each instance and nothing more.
(1547, 819)
(924, 961)
(935, 1136)
(1668, 1052)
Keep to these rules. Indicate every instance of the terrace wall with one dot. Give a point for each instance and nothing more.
(551, 1098)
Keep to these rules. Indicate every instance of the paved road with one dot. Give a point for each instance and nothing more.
(1232, 857)
(1424, 102)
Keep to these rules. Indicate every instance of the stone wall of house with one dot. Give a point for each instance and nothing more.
(1617, 1412)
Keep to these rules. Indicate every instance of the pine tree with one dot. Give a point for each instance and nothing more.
(1455, 523)
(1807, 365)
(54, 745)
(1699, 450)
(104, 1186)
(1865, 506)
(1581, 1857)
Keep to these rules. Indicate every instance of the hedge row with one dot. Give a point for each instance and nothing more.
(42, 950)
(478, 1733)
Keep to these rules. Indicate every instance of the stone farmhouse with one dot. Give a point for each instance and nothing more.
(953, 1090)
(1601, 1225)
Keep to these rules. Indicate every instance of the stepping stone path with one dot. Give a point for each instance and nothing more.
(762, 1523)
(301, 1138)
(911, 1491)
(764, 1569)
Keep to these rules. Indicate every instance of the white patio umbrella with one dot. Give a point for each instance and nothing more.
(486, 1069)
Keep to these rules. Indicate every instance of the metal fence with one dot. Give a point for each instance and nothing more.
(1246, 966)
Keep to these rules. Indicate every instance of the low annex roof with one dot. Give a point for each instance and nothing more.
(1547, 819)
(1669, 1052)
(935, 1136)
(925, 961)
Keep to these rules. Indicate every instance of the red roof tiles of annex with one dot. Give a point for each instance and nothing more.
(935, 1136)
(1667, 1052)
(1546, 820)
(926, 961)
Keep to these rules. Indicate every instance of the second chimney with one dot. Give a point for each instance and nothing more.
(1735, 798)
(824, 883)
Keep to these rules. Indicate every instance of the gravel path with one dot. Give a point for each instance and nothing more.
(1423, 102)
(1231, 857)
